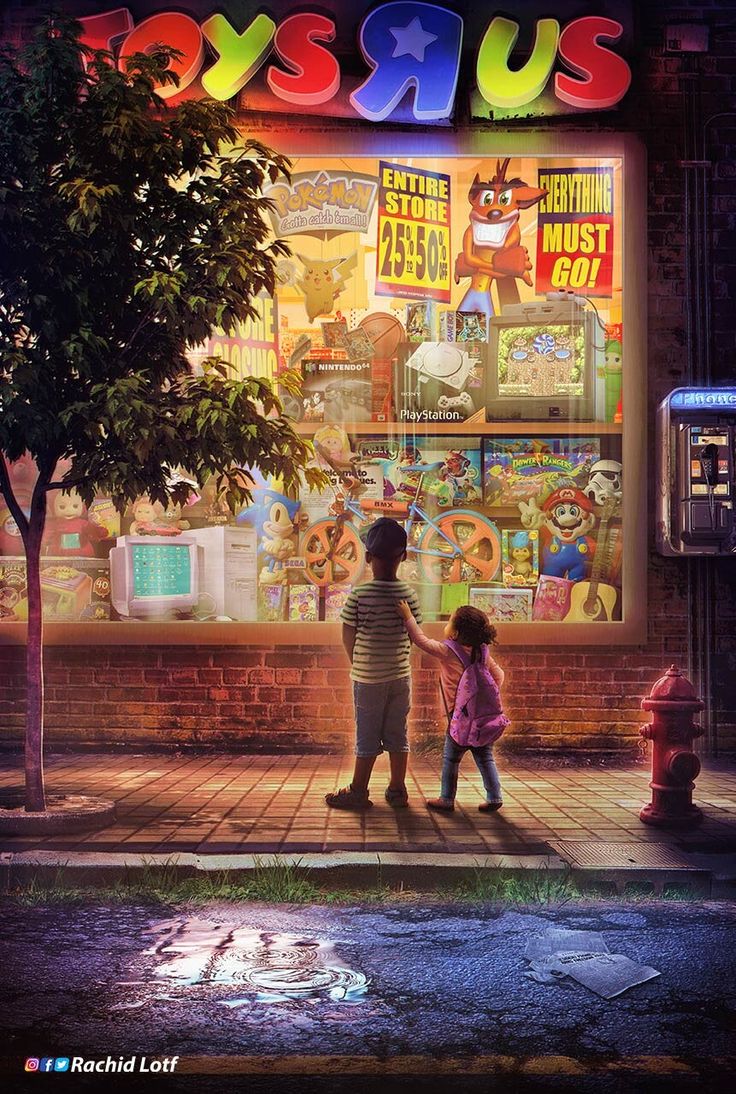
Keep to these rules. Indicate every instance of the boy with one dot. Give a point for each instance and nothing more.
(378, 646)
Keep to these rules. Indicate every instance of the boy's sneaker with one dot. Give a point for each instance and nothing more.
(489, 807)
(441, 805)
(398, 799)
(347, 798)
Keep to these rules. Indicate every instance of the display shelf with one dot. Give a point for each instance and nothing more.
(199, 634)
(469, 429)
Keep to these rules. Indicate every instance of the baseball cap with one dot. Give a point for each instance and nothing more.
(567, 495)
(385, 538)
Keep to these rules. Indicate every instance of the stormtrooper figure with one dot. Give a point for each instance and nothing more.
(604, 482)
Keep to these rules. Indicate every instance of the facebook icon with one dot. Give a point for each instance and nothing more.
(47, 1063)
(62, 1063)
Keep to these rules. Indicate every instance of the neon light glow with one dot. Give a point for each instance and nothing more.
(178, 31)
(241, 55)
(501, 86)
(315, 74)
(606, 76)
(410, 45)
(413, 51)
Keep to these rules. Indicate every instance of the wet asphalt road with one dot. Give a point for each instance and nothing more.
(444, 981)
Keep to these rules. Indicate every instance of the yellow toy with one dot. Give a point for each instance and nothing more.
(322, 282)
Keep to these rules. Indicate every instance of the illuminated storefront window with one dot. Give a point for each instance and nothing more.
(470, 352)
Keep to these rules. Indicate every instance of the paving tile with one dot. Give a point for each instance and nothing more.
(255, 804)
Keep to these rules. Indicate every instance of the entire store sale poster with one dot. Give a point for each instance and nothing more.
(413, 233)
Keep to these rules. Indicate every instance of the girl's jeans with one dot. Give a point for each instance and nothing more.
(483, 756)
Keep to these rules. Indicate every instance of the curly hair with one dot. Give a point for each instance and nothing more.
(473, 629)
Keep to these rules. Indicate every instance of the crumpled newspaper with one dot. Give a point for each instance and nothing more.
(585, 957)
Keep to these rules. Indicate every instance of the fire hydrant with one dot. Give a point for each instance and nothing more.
(673, 704)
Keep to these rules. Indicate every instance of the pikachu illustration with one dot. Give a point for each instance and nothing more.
(323, 281)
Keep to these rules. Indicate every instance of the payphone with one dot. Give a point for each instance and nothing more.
(696, 436)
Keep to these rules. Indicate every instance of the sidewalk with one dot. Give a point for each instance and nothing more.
(223, 804)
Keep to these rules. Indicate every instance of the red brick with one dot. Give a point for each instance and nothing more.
(269, 695)
(288, 659)
(261, 676)
(289, 676)
(241, 658)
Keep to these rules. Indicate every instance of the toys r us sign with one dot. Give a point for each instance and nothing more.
(413, 54)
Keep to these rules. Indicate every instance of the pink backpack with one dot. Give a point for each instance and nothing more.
(477, 718)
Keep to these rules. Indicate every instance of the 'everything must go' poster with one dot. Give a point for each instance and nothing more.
(575, 231)
(413, 233)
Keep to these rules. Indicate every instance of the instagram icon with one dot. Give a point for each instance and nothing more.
(32, 1063)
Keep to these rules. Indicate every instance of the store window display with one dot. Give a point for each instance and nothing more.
(457, 327)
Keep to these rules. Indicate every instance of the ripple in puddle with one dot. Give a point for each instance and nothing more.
(271, 966)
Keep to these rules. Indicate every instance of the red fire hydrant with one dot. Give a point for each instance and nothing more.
(673, 703)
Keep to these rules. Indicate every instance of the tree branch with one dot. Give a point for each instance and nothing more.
(61, 485)
(7, 490)
(143, 323)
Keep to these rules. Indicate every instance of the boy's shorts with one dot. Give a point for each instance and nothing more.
(381, 711)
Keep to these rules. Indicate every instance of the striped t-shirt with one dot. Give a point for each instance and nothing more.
(382, 645)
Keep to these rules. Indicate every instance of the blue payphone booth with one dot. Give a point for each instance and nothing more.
(696, 436)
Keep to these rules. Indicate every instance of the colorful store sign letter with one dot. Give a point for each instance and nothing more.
(412, 49)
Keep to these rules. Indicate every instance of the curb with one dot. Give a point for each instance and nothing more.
(349, 868)
(361, 868)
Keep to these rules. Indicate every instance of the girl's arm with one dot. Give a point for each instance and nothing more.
(496, 671)
(417, 635)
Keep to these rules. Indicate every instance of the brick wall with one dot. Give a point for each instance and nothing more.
(299, 698)
(280, 699)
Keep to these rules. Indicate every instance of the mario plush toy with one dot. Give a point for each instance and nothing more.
(567, 547)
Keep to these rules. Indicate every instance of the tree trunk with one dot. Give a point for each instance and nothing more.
(35, 796)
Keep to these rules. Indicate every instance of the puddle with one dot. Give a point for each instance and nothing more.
(271, 966)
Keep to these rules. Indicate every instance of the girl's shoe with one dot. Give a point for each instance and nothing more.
(347, 798)
(397, 799)
(489, 807)
(441, 805)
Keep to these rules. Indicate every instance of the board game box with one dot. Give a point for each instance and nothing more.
(502, 605)
(521, 468)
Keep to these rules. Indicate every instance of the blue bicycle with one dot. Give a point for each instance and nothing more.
(457, 545)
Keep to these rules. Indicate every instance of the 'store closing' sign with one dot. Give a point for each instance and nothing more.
(251, 349)
(575, 230)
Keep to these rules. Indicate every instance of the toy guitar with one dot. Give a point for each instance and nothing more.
(594, 601)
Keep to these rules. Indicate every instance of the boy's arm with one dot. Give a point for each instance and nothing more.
(349, 620)
(348, 640)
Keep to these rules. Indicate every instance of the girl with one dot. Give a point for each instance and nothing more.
(468, 627)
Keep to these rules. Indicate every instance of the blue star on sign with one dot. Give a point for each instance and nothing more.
(412, 40)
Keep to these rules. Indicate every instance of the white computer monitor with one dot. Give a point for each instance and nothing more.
(154, 575)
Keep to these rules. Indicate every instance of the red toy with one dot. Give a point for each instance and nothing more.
(568, 518)
(69, 531)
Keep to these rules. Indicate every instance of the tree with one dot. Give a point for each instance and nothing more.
(128, 231)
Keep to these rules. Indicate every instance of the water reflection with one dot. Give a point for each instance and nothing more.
(274, 966)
